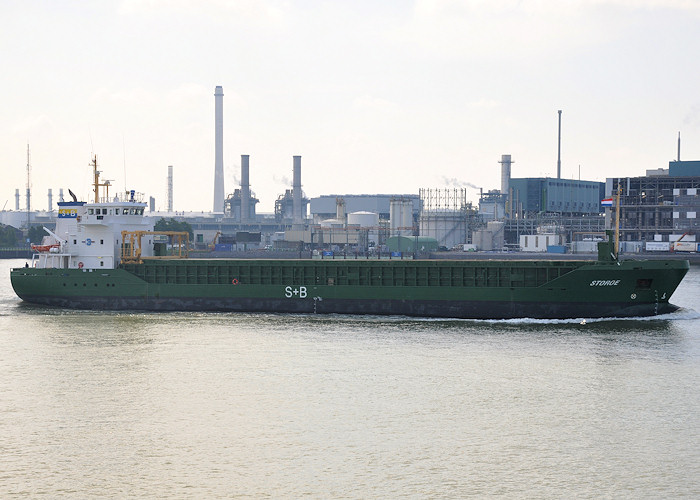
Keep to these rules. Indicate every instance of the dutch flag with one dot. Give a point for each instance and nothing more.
(607, 202)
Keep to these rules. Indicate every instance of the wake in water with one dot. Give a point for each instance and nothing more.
(682, 314)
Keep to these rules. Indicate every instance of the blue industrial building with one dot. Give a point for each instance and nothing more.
(547, 194)
(684, 168)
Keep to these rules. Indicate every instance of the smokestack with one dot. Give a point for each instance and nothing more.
(17, 199)
(50, 200)
(505, 173)
(340, 209)
(296, 191)
(219, 149)
(505, 179)
(679, 146)
(559, 149)
(60, 195)
(151, 204)
(170, 188)
(245, 187)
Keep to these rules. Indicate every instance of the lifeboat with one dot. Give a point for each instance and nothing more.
(44, 248)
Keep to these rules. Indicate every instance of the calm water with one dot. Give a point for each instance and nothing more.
(263, 405)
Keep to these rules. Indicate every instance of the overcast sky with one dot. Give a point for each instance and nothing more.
(376, 96)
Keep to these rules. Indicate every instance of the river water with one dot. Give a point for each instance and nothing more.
(263, 405)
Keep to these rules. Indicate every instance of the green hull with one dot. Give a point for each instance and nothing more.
(455, 289)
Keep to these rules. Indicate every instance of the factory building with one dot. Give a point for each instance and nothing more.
(565, 196)
(284, 206)
(658, 208)
(684, 168)
(234, 206)
(324, 207)
(241, 204)
(445, 216)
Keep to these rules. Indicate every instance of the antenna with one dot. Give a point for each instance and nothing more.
(124, 155)
(29, 186)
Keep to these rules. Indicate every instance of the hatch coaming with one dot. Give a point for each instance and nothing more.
(423, 273)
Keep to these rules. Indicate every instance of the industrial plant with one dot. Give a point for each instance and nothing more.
(657, 213)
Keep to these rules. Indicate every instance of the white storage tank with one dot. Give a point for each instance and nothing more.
(401, 216)
(363, 219)
(447, 226)
(335, 223)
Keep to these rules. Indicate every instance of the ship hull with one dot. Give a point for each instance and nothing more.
(415, 308)
(486, 290)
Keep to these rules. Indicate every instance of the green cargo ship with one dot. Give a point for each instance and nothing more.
(106, 256)
(427, 288)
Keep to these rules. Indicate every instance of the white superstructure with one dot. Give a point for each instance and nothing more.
(89, 235)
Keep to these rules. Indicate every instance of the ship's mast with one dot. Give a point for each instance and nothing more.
(617, 222)
(97, 184)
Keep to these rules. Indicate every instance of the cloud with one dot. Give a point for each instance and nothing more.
(30, 125)
(484, 103)
(187, 92)
(366, 102)
(514, 28)
(692, 118)
(133, 96)
(262, 11)
(682, 5)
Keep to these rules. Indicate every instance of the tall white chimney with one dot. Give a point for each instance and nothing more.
(505, 173)
(296, 191)
(559, 148)
(50, 200)
(17, 199)
(170, 188)
(245, 187)
(219, 149)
